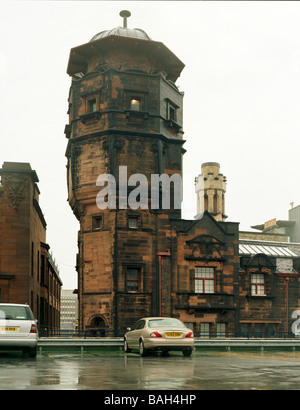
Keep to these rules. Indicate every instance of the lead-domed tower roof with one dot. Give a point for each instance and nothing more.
(119, 39)
(123, 31)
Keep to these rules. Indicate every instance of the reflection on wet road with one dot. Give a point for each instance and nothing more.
(113, 370)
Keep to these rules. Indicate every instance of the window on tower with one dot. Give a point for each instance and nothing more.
(171, 111)
(97, 222)
(135, 104)
(133, 222)
(91, 108)
(92, 105)
(135, 100)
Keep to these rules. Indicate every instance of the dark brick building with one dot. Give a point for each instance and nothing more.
(28, 273)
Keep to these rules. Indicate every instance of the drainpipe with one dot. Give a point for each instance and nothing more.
(287, 303)
(160, 254)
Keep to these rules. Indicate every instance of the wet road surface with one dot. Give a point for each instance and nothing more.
(114, 370)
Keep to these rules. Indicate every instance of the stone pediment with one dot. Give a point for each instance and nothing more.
(205, 247)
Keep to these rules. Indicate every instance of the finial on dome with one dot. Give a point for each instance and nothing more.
(125, 14)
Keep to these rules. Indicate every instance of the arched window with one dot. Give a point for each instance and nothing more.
(96, 326)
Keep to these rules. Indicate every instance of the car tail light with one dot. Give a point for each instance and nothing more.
(33, 328)
(190, 334)
(155, 334)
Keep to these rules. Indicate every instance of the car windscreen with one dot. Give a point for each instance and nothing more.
(15, 313)
(165, 323)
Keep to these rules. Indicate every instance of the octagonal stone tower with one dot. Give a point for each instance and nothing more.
(210, 187)
(124, 111)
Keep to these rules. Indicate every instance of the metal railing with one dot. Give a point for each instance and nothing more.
(201, 335)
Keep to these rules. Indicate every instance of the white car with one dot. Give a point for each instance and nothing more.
(18, 328)
(160, 334)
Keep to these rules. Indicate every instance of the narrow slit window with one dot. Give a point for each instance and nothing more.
(92, 105)
(172, 113)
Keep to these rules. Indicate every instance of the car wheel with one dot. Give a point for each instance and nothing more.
(143, 351)
(32, 351)
(126, 348)
(187, 352)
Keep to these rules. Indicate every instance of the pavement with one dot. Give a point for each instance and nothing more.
(110, 370)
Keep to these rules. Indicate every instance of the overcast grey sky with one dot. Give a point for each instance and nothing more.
(241, 103)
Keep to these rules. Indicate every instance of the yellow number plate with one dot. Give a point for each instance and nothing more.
(9, 329)
(173, 334)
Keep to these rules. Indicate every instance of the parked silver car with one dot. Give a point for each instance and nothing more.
(160, 334)
(18, 328)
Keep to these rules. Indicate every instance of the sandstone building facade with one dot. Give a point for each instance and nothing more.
(125, 114)
(28, 273)
(126, 110)
(268, 286)
(269, 278)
